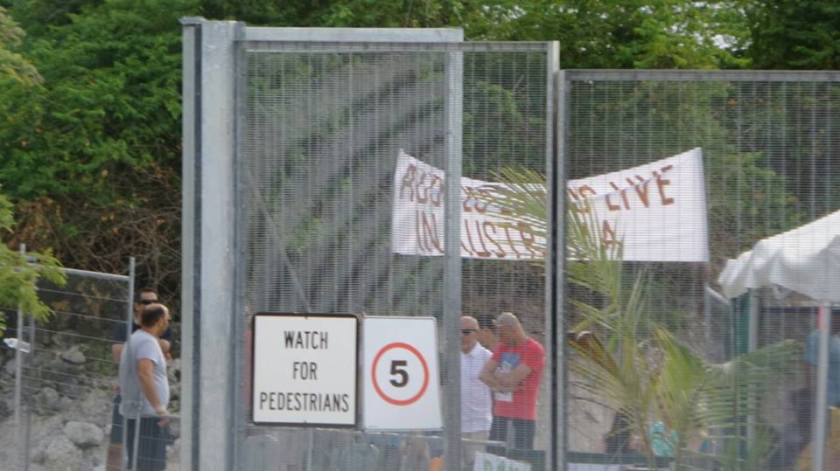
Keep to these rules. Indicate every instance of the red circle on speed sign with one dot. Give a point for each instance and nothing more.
(413, 351)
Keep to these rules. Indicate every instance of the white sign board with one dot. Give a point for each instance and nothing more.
(401, 380)
(304, 369)
(594, 467)
(489, 462)
(656, 212)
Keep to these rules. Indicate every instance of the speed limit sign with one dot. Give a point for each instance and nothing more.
(401, 386)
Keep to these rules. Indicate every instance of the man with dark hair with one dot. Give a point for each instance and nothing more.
(486, 332)
(513, 374)
(145, 296)
(145, 390)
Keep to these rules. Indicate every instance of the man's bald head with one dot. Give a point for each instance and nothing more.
(469, 322)
(469, 333)
(509, 329)
(508, 319)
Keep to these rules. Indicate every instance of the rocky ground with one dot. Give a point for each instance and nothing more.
(69, 417)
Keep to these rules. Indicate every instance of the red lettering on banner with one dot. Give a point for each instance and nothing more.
(621, 193)
(610, 205)
(436, 196)
(475, 199)
(641, 189)
(417, 232)
(581, 195)
(573, 199)
(429, 231)
(529, 241)
(506, 227)
(479, 253)
(487, 224)
(424, 198)
(586, 191)
(608, 235)
(407, 181)
(661, 183)
(482, 201)
(467, 199)
(464, 247)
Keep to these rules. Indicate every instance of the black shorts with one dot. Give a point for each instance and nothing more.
(151, 455)
(116, 422)
(523, 432)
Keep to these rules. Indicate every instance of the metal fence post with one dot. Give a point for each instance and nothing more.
(821, 409)
(129, 319)
(19, 379)
(136, 446)
(555, 264)
(452, 264)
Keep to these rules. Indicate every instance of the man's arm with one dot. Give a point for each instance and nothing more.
(490, 377)
(487, 377)
(512, 378)
(116, 352)
(117, 348)
(165, 346)
(145, 375)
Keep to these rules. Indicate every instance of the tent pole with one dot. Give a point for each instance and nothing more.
(821, 406)
(752, 345)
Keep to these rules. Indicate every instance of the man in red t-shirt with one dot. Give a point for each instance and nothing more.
(513, 373)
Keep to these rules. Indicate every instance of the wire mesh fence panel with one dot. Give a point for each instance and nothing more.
(150, 443)
(343, 155)
(69, 372)
(664, 365)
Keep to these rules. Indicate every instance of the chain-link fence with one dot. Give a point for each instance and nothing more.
(344, 152)
(65, 371)
(63, 380)
(331, 183)
(737, 392)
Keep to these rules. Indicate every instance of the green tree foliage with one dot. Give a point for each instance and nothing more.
(13, 66)
(592, 33)
(642, 369)
(18, 277)
(792, 34)
(632, 34)
(92, 155)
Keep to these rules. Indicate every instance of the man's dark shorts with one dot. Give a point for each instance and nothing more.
(523, 432)
(152, 444)
(116, 422)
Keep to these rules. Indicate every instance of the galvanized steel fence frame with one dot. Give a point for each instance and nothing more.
(213, 248)
(26, 329)
(212, 277)
(568, 78)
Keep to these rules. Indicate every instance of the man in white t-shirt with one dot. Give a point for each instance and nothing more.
(145, 390)
(476, 401)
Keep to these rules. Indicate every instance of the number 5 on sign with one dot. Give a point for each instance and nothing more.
(401, 385)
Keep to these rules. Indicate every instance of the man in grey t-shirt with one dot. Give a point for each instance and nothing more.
(145, 390)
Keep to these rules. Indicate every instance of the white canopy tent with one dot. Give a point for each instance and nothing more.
(805, 260)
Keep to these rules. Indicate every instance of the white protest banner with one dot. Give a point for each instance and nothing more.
(489, 462)
(656, 212)
(417, 218)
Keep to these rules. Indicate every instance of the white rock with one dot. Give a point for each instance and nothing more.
(10, 367)
(62, 454)
(83, 434)
(74, 356)
(47, 399)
